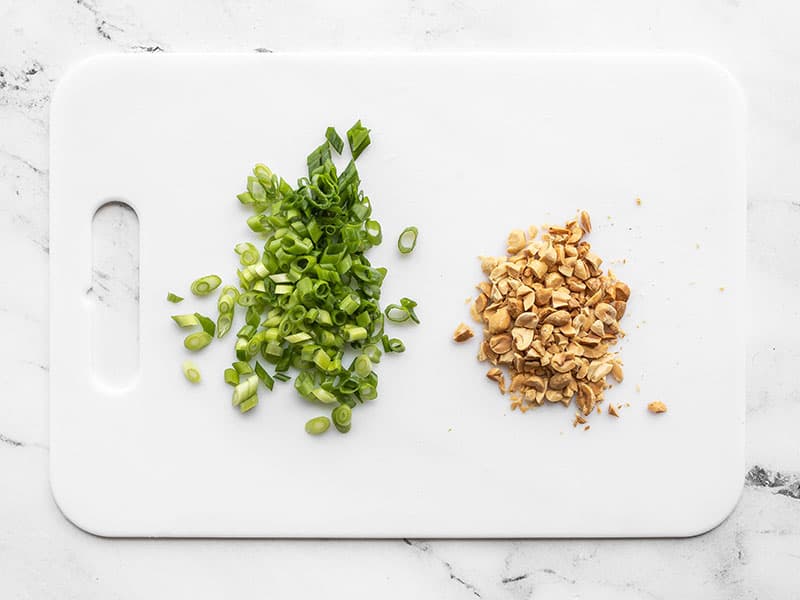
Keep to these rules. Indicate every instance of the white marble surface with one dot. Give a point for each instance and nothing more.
(754, 554)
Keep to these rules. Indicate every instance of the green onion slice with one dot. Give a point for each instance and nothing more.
(248, 254)
(264, 376)
(231, 377)
(358, 139)
(396, 313)
(341, 417)
(205, 285)
(224, 322)
(245, 389)
(334, 140)
(191, 371)
(318, 425)
(197, 341)
(207, 324)
(242, 367)
(186, 320)
(248, 403)
(407, 240)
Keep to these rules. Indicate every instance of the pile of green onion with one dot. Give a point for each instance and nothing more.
(311, 297)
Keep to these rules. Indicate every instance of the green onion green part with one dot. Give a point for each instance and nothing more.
(242, 367)
(174, 298)
(358, 138)
(264, 376)
(248, 403)
(248, 254)
(197, 341)
(231, 377)
(407, 240)
(318, 425)
(191, 371)
(334, 140)
(341, 417)
(205, 285)
(245, 389)
(207, 324)
(186, 320)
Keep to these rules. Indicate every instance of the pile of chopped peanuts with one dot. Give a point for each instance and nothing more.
(550, 316)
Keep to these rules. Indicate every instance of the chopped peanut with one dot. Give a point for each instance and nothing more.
(550, 315)
(462, 333)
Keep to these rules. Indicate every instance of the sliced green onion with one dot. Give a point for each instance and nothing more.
(207, 324)
(191, 371)
(374, 234)
(248, 403)
(334, 140)
(224, 322)
(248, 254)
(407, 240)
(197, 341)
(310, 293)
(245, 389)
(358, 139)
(396, 345)
(264, 376)
(355, 334)
(323, 395)
(174, 298)
(241, 349)
(205, 285)
(372, 352)
(410, 305)
(396, 313)
(242, 367)
(317, 425)
(186, 320)
(349, 303)
(362, 365)
(341, 417)
(367, 391)
(298, 337)
(231, 377)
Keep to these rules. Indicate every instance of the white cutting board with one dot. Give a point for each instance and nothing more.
(466, 147)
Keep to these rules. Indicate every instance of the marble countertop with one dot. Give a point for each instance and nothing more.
(755, 553)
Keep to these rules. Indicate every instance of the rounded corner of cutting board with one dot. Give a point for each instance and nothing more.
(725, 505)
(70, 508)
(717, 70)
(79, 74)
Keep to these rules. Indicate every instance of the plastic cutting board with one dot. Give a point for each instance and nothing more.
(466, 147)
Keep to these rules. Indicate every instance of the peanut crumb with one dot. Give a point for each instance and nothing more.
(657, 407)
(587, 428)
(462, 333)
(612, 411)
(579, 420)
(627, 405)
(598, 410)
(722, 289)
(638, 202)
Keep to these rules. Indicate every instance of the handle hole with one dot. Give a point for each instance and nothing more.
(114, 294)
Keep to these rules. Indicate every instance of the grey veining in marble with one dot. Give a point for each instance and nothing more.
(755, 553)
